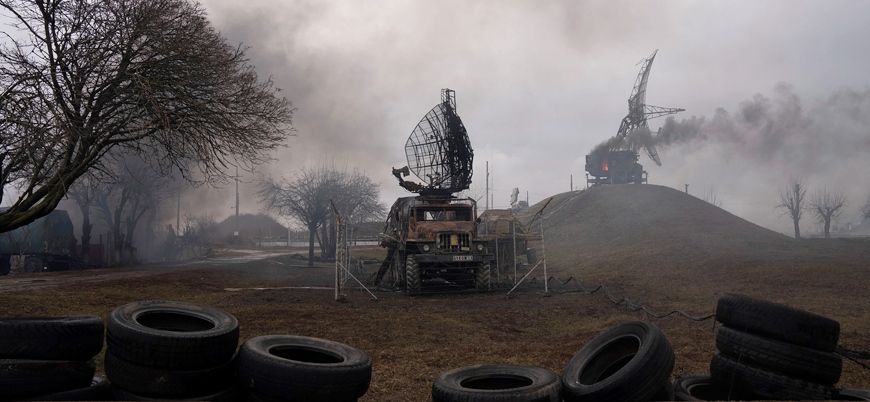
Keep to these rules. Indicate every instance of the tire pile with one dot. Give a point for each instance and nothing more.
(51, 358)
(167, 350)
(768, 351)
(171, 350)
(630, 362)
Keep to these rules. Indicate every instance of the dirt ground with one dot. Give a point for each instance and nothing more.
(655, 246)
(413, 340)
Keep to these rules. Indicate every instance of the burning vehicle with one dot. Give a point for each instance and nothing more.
(431, 239)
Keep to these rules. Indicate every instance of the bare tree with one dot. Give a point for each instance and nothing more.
(827, 206)
(127, 193)
(79, 79)
(792, 202)
(712, 197)
(308, 199)
(865, 210)
(304, 198)
(357, 199)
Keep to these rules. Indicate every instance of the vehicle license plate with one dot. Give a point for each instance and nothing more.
(463, 258)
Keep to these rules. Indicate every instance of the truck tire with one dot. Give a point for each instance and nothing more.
(234, 393)
(98, 391)
(482, 276)
(170, 334)
(854, 394)
(303, 368)
(781, 357)
(5, 266)
(75, 337)
(629, 362)
(24, 378)
(412, 275)
(160, 382)
(497, 382)
(32, 265)
(779, 322)
(764, 384)
(701, 387)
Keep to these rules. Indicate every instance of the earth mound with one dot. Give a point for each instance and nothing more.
(647, 226)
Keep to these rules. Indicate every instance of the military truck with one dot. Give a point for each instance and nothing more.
(48, 243)
(432, 245)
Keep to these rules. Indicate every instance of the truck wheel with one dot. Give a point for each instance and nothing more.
(412, 275)
(779, 322)
(170, 383)
(171, 334)
(781, 357)
(98, 391)
(76, 337)
(482, 276)
(32, 265)
(497, 382)
(5, 266)
(24, 378)
(629, 362)
(765, 384)
(301, 368)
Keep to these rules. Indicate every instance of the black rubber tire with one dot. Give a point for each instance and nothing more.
(778, 322)
(174, 383)
(234, 393)
(32, 265)
(75, 337)
(854, 394)
(665, 393)
(24, 378)
(483, 276)
(98, 391)
(5, 266)
(629, 362)
(412, 275)
(497, 382)
(171, 334)
(701, 387)
(781, 357)
(303, 368)
(764, 384)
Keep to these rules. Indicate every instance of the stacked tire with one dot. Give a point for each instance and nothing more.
(279, 368)
(51, 358)
(768, 351)
(630, 362)
(159, 350)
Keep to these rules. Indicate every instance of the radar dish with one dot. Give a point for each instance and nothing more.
(439, 151)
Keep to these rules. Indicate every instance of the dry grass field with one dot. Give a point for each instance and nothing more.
(656, 246)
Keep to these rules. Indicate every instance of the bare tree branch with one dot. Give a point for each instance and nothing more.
(150, 78)
(792, 202)
(827, 206)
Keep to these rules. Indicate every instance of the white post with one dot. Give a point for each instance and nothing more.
(514, 230)
(544, 252)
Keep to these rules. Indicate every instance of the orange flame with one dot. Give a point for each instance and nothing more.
(604, 163)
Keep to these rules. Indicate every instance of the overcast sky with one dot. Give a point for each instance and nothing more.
(540, 83)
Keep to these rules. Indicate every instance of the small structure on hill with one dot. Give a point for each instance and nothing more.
(615, 161)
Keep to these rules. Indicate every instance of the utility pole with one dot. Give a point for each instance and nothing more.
(687, 188)
(487, 185)
(572, 182)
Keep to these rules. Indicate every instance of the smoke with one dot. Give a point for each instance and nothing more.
(776, 130)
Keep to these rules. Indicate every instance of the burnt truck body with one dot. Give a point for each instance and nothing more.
(48, 243)
(614, 167)
(432, 245)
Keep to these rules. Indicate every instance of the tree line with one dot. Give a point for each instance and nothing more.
(825, 205)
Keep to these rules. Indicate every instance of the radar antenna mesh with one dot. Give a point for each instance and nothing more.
(439, 151)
